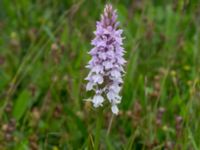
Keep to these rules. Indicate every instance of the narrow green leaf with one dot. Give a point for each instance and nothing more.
(21, 105)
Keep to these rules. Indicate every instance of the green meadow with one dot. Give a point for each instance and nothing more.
(44, 104)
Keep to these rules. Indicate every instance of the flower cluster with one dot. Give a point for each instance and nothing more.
(106, 65)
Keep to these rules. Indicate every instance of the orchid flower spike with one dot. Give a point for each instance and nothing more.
(106, 65)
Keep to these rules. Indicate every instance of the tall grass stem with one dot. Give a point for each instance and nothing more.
(110, 125)
(98, 129)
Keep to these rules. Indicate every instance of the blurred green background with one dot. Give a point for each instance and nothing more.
(43, 53)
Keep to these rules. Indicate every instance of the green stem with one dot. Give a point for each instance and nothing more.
(110, 125)
(98, 129)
